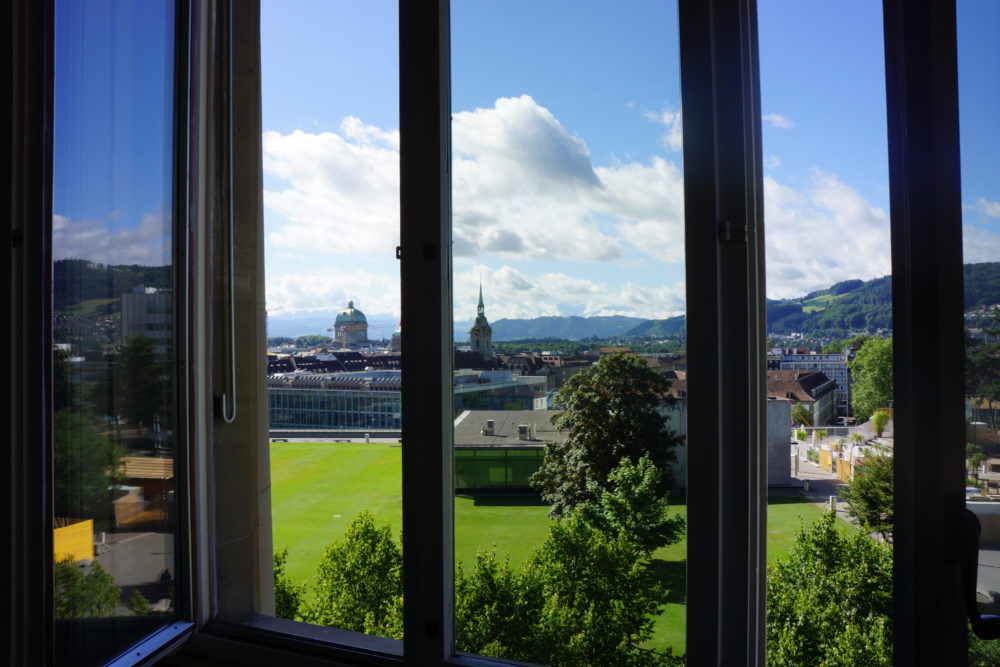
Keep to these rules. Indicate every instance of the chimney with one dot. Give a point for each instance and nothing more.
(489, 427)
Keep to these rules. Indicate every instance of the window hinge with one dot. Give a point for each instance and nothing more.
(733, 231)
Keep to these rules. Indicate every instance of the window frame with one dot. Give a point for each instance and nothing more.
(722, 189)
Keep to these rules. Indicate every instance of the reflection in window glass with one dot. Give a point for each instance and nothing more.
(978, 69)
(569, 387)
(331, 217)
(829, 319)
(113, 412)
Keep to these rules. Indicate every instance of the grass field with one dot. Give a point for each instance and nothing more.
(318, 488)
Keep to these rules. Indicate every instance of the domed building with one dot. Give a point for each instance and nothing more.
(351, 327)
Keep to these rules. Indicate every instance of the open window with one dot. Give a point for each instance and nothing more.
(222, 563)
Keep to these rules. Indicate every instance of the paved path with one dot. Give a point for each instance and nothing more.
(822, 485)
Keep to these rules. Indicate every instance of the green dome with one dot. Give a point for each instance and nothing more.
(351, 314)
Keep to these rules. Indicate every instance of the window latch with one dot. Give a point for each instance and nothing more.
(967, 531)
(399, 252)
(733, 231)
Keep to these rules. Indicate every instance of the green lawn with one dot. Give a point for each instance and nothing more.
(317, 488)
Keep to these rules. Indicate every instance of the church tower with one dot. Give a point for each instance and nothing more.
(481, 332)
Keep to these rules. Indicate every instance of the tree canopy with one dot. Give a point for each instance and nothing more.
(632, 505)
(611, 411)
(359, 582)
(85, 467)
(829, 602)
(869, 495)
(871, 378)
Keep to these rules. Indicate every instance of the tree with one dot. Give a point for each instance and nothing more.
(835, 345)
(583, 598)
(312, 340)
(801, 415)
(982, 369)
(869, 495)
(871, 378)
(140, 382)
(800, 434)
(85, 467)
(631, 506)
(79, 595)
(829, 602)
(359, 583)
(610, 411)
(287, 596)
(974, 457)
(879, 421)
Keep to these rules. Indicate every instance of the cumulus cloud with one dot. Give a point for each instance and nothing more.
(979, 245)
(331, 289)
(989, 208)
(146, 242)
(674, 138)
(778, 121)
(823, 234)
(523, 186)
(343, 189)
(511, 293)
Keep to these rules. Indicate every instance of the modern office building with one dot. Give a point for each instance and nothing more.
(835, 366)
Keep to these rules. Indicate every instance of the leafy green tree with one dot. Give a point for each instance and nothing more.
(800, 434)
(79, 595)
(583, 598)
(982, 369)
(287, 596)
(610, 411)
(497, 608)
(801, 415)
(869, 495)
(85, 467)
(871, 377)
(879, 421)
(829, 602)
(835, 345)
(974, 457)
(632, 505)
(137, 603)
(359, 583)
(140, 382)
(312, 340)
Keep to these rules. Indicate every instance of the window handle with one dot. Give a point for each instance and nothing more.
(226, 404)
(988, 626)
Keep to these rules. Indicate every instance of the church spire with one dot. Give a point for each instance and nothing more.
(480, 308)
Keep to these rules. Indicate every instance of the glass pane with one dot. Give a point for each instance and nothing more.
(331, 220)
(569, 281)
(978, 69)
(114, 418)
(829, 310)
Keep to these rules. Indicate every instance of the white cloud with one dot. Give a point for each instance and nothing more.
(510, 293)
(778, 121)
(147, 242)
(674, 138)
(331, 289)
(824, 234)
(979, 245)
(772, 162)
(990, 209)
(343, 191)
(523, 187)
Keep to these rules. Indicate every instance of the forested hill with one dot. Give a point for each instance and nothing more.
(848, 306)
(76, 281)
(567, 328)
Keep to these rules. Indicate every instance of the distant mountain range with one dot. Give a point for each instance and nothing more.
(842, 308)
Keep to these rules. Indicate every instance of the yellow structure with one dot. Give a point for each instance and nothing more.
(826, 460)
(75, 541)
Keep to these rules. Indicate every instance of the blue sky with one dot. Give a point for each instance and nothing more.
(567, 150)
